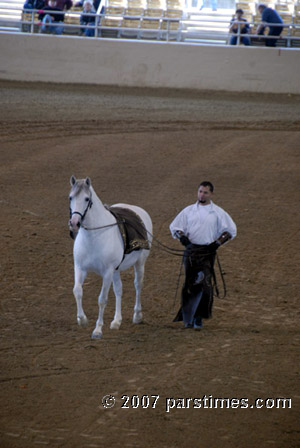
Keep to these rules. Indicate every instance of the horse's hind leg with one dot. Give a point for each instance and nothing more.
(78, 291)
(117, 285)
(139, 269)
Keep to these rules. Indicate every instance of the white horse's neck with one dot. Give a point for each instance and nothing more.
(97, 215)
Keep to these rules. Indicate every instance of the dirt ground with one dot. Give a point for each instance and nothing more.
(150, 148)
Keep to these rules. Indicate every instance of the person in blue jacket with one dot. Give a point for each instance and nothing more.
(272, 19)
(88, 18)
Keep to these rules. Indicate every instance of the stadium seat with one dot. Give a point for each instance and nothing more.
(131, 26)
(150, 28)
(114, 3)
(134, 12)
(27, 17)
(110, 27)
(174, 4)
(114, 11)
(153, 4)
(153, 12)
(72, 17)
(135, 4)
(171, 24)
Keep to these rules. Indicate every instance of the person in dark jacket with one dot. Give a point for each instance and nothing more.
(52, 18)
(270, 18)
(34, 4)
(88, 18)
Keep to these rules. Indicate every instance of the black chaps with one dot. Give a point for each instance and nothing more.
(197, 291)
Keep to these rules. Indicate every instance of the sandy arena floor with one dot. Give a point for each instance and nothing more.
(150, 148)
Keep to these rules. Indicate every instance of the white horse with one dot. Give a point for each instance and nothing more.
(99, 248)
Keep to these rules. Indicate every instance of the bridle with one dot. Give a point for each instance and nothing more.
(82, 215)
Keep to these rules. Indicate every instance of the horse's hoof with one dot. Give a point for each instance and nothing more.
(96, 335)
(115, 325)
(137, 318)
(82, 321)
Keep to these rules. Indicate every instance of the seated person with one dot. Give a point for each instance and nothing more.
(34, 4)
(272, 19)
(243, 27)
(88, 18)
(52, 18)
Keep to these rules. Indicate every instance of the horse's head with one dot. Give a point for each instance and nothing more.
(80, 202)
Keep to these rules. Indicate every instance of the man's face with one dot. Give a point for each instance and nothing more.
(52, 3)
(204, 195)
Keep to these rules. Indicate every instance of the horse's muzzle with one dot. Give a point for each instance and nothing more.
(74, 227)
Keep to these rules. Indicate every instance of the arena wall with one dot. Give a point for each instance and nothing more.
(28, 57)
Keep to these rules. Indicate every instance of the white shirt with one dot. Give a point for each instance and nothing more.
(203, 224)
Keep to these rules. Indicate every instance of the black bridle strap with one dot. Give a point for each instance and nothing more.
(89, 205)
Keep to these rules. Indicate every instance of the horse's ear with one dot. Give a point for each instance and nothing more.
(88, 181)
(73, 181)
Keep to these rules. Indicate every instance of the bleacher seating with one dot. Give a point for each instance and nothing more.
(160, 20)
(11, 14)
(72, 17)
(141, 19)
(30, 22)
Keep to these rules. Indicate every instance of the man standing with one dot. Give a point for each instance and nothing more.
(202, 228)
(271, 17)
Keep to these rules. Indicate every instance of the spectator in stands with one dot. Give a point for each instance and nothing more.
(88, 18)
(242, 28)
(34, 4)
(271, 17)
(52, 18)
(63, 4)
(96, 4)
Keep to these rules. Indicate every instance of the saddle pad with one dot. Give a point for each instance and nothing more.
(132, 229)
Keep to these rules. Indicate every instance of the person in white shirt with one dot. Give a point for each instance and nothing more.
(202, 228)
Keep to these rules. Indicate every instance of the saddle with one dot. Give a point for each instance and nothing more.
(132, 229)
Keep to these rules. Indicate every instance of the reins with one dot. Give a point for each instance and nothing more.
(103, 227)
(182, 253)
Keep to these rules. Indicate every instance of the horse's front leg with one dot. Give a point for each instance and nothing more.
(102, 301)
(139, 269)
(117, 285)
(78, 292)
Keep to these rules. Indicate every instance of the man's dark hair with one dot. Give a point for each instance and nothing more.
(239, 11)
(262, 6)
(208, 184)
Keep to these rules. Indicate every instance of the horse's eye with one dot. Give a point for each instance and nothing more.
(70, 198)
(87, 199)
